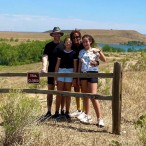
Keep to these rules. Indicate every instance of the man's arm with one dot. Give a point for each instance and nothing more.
(44, 63)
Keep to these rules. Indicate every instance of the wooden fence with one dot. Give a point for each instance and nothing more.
(116, 97)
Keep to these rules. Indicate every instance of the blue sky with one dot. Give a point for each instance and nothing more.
(42, 15)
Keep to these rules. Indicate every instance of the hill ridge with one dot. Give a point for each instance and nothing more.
(112, 35)
(100, 35)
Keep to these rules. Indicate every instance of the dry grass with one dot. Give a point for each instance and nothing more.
(24, 36)
(73, 133)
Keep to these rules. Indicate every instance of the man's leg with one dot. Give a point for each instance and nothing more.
(49, 105)
(50, 98)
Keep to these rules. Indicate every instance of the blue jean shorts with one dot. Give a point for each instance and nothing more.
(91, 80)
(65, 79)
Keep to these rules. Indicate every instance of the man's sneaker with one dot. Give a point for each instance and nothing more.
(100, 123)
(86, 120)
(67, 115)
(81, 116)
(55, 116)
(45, 117)
(75, 114)
(48, 114)
(62, 113)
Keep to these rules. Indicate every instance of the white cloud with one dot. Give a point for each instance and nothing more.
(43, 23)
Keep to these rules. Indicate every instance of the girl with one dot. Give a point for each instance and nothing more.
(89, 85)
(66, 63)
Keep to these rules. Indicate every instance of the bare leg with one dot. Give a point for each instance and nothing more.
(62, 103)
(92, 88)
(78, 99)
(50, 98)
(86, 101)
(68, 98)
(60, 87)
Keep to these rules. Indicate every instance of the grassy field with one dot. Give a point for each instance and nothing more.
(74, 133)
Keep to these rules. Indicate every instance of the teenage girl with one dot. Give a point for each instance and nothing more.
(66, 63)
(89, 85)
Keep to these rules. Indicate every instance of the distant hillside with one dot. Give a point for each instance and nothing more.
(115, 36)
(112, 36)
(100, 36)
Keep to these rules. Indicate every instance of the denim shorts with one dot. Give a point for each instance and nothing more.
(65, 79)
(91, 80)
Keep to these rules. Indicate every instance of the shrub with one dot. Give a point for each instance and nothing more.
(11, 39)
(107, 48)
(141, 63)
(23, 53)
(8, 54)
(141, 125)
(18, 113)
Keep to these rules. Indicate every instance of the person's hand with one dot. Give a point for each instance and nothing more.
(55, 82)
(98, 49)
(94, 63)
(43, 71)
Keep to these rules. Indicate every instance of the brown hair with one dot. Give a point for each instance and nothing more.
(73, 32)
(66, 39)
(91, 39)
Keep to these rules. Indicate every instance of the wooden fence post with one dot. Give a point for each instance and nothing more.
(117, 98)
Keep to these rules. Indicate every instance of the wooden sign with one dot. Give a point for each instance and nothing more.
(33, 78)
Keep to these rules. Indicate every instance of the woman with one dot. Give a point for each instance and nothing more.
(77, 46)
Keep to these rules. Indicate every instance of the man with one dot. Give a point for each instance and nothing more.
(50, 55)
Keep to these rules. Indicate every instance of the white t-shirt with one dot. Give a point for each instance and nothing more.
(86, 56)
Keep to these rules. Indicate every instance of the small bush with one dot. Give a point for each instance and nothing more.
(141, 63)
(141, 125)
(16, 40)
(11, 39)
(18, 113)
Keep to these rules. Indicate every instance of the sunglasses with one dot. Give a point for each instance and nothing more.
(76, 37)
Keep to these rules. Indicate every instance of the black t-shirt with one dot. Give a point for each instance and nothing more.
(52, 50)
(77, 49)
(67, 59)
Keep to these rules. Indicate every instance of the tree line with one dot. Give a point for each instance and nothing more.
(23, 53)
(32, 51)
(108, 48)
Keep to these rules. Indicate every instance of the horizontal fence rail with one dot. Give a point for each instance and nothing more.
(62, 93)
(55, 74)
